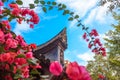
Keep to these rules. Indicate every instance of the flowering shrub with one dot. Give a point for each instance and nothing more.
(16, 57)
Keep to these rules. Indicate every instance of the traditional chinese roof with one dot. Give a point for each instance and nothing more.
(59, 40)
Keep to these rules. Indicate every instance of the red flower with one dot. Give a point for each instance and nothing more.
(33, 46)
(97, 41)
(101, 76)
(4, 57)
(55, 68)
(93, 33)
(20, 61)
(31, 26)
(11, 43)
(76, 72)
(84, 36)
(13, 5)
(1, 11)
(29, 55)
(19, 20)
(6, 24)
(16, 12)
(90, 45)
(1, 3)
(1, 34)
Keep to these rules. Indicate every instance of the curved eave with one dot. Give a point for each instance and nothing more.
(58, 36)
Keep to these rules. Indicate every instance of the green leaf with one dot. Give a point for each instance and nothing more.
(44, 9)
(42, 2)
(76, 16)
(63, 6)
(66, 12)
(48, 2)
(87, 28)
(17, 76)
(10, 18)
(50, 8)
(59, 5)
(71, 13)
(1, 49)
(34, 71)
(36, 1)
(32, 61)
(54, 3)
(4, 0)
(79, 25)
(32, 6)
(20, 56)
(19, 2)
(70, 19)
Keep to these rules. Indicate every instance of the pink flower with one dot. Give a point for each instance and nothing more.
(16, 12)
(97, 41)
(0, 11)
(31, 26)
(1, 3)
(84, 36)
(20, 61)
(14, 69)
(4, 57)
(19, 20)
(13, 5)
(11, 43)
(25, 71)
(8, 35)
(1, 34)
(90, 45)
(29, 55)
(25, 74)
(21, 41)
(24, 12)
(76, 72)
(94, 33)
(55, 68)
(6, 24)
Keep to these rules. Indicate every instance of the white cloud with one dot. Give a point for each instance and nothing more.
(79, 7)
(23, 27)
(86, 56)
(75, 55)
(99, 14)
(89, 11)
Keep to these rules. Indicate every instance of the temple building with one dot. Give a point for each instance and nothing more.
(54, 48)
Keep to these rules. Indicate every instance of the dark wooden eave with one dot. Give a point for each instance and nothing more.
(59, 40)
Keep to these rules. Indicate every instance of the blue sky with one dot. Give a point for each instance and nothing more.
(52, 22)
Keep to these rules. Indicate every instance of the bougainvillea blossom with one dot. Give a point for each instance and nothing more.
(1, 3)
(76, 72)
(94, 33)
(55, 68)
